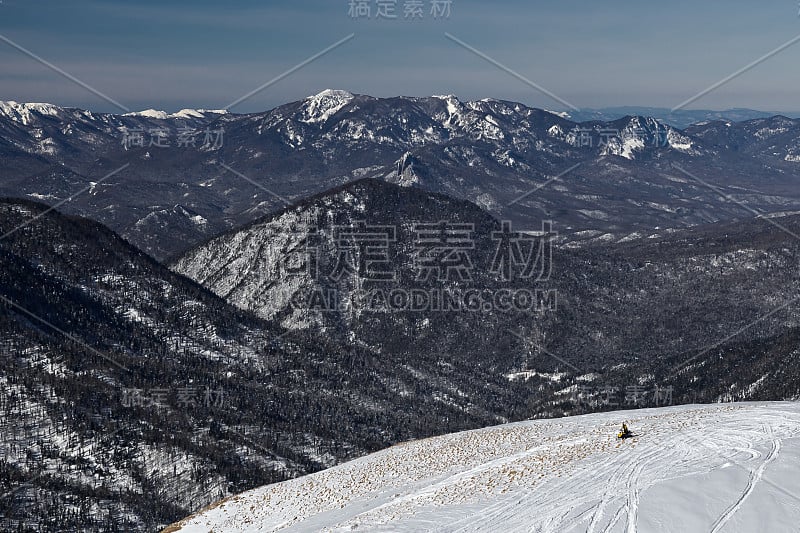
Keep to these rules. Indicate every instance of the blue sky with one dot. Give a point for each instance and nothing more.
(204, 54)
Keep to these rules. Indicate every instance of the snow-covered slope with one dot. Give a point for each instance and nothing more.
(720, 468)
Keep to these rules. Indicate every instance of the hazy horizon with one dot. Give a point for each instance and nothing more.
(590, 56)
(554, 109)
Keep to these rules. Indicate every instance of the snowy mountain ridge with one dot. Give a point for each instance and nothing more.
(119, 418)
(475, 119)
(21, 112)
(277, 265)
(725, 467)
(615, 178)
(322, 106)
(183, 113)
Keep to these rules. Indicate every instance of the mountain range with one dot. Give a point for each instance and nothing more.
(168, 181)
(678, 118)
(208, 302)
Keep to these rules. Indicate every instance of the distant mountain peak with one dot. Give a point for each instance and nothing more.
(320, 107)
(183, 113)
(21, 112)
(562, 114)
(332, 92)
(149, 113)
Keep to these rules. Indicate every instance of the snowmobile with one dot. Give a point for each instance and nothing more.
(624, 433)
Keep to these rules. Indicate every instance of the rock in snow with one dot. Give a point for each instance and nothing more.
(724, 467)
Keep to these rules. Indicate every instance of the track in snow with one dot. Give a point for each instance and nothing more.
(755, 477)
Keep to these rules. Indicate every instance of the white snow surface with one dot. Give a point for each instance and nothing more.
(711, 468)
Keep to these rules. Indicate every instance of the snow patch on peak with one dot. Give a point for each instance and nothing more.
(183, 113)
(21, 112)
(562, 114)
(454, 105)
(39, 107)
(641, 133)
(405, 176)
(148, 113)
(331, 92)
(197, 113)
(187, 113)
(680, 142)
(322, 106)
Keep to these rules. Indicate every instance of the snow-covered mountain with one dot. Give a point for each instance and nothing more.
(182, 114)
(629, 311)
(508, 158)
(130, 396)
(721, 468)
(98, 340)
(320, 107)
